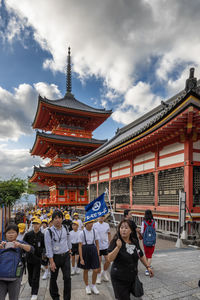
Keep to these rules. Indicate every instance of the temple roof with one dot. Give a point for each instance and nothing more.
(66, 140)
(143, 124)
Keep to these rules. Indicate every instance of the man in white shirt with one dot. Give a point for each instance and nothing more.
(103, 230)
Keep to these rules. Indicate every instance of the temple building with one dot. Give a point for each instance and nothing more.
(147, 163)
(65, 127)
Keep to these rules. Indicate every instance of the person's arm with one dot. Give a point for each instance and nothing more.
(109, 237)
(25, 247)
(97, 245)
(49, 250)
(80, 253)
(145, 263)
(112, 255)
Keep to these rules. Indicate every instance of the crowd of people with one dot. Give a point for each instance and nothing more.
(58, 239)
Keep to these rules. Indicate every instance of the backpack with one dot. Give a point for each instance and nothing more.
(10, 263)
(149, 237)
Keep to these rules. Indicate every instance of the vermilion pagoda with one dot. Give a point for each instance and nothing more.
(70, 123)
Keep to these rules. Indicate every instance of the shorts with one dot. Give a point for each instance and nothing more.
(75, 249)
(103, 252)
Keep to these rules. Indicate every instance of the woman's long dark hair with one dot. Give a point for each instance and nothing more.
(118, 236)
(148, 216)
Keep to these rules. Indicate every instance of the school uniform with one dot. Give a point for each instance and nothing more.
(80, 224)
(58, 244)
(89, 249)
(34, 259)
(74, 235)
(103, 229)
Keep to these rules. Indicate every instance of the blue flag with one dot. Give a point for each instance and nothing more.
(95, 209)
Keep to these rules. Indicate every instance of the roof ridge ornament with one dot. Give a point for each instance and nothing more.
(191, 82)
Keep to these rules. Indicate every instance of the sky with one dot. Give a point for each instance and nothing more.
(127, 55)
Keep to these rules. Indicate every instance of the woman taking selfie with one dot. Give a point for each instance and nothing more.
(11, 265)
(124, 252)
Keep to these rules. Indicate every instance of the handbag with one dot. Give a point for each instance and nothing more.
(137, 288)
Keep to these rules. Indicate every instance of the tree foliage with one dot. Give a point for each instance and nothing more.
(12, 189)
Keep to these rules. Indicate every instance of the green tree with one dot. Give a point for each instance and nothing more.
(11, 190)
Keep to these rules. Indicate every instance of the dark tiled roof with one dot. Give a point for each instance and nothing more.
(51, 170)
(138, 126)
(69, 101)
(70, 138)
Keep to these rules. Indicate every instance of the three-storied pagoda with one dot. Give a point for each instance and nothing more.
(67, 125)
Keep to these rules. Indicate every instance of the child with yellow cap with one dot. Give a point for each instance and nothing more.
(22, 231)
(74, 235)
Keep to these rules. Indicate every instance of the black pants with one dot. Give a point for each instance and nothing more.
(122, 289)
(63, 262)
(34, 277)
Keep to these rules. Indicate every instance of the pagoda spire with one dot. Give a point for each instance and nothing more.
(68, 73)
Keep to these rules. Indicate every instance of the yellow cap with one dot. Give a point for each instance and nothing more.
(75, 222)
(44, 211)
(86, 222)
(44, 221)
(37, 220)
(75, 214)
(49, 215)
(65, 212)
(67, 217)
(49, 220)
(22, 227)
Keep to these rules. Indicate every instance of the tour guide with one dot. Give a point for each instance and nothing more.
(58, 245)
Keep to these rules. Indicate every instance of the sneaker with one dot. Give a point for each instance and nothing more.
(98, 281)
(88, 290)
(34, 297)
(147, 273)
(94, 290)
(77, 271)
(72, 271)
(46, 275)
(105, 276)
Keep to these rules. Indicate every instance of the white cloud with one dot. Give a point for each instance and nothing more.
(16, 162)
(119, 41)
(17, 109)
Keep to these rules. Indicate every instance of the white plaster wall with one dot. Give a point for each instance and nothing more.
(144, 167)
(144, 157)
(104, 176)
(121, 172)
(103, 170)
(171, 148)
(121, 164)
(93, 179)
(171, 160)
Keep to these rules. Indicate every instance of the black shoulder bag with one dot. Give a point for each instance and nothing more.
(137, 288)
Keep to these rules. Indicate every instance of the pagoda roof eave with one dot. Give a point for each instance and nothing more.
(121, 139)
(63, 105)
(54, 172)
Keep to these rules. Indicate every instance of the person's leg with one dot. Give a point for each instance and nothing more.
(98, 279)
(36, 279)
(14, 289)
(106, 264)
(65, 267)
(53, 287)
(100, 260)
(30, 273)
(85, 277)
(73, 261)
(3, 289)
(94, 276)
(76, 266)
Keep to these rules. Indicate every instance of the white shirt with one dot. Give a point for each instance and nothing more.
(89, 236)
(74, 235)
(103, 230)
(20, 236)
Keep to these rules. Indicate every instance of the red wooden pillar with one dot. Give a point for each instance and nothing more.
(97, 183)
(131, 182)
(156, 178)
(109, 183)
(188, 172)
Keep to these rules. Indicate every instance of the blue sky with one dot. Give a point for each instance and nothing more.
(127, 56)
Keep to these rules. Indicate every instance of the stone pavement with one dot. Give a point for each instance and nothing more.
(177, 272)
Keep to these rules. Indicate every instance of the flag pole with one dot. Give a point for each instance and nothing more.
(111, 210)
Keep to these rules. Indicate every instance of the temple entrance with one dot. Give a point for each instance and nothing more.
(72, 196)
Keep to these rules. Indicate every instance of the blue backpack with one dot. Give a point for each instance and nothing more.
(149, 237)
(10, 260)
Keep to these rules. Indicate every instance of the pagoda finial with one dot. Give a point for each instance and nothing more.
(68, 79)
(191, 82)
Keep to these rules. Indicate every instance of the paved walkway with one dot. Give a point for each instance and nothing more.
(177, 272)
